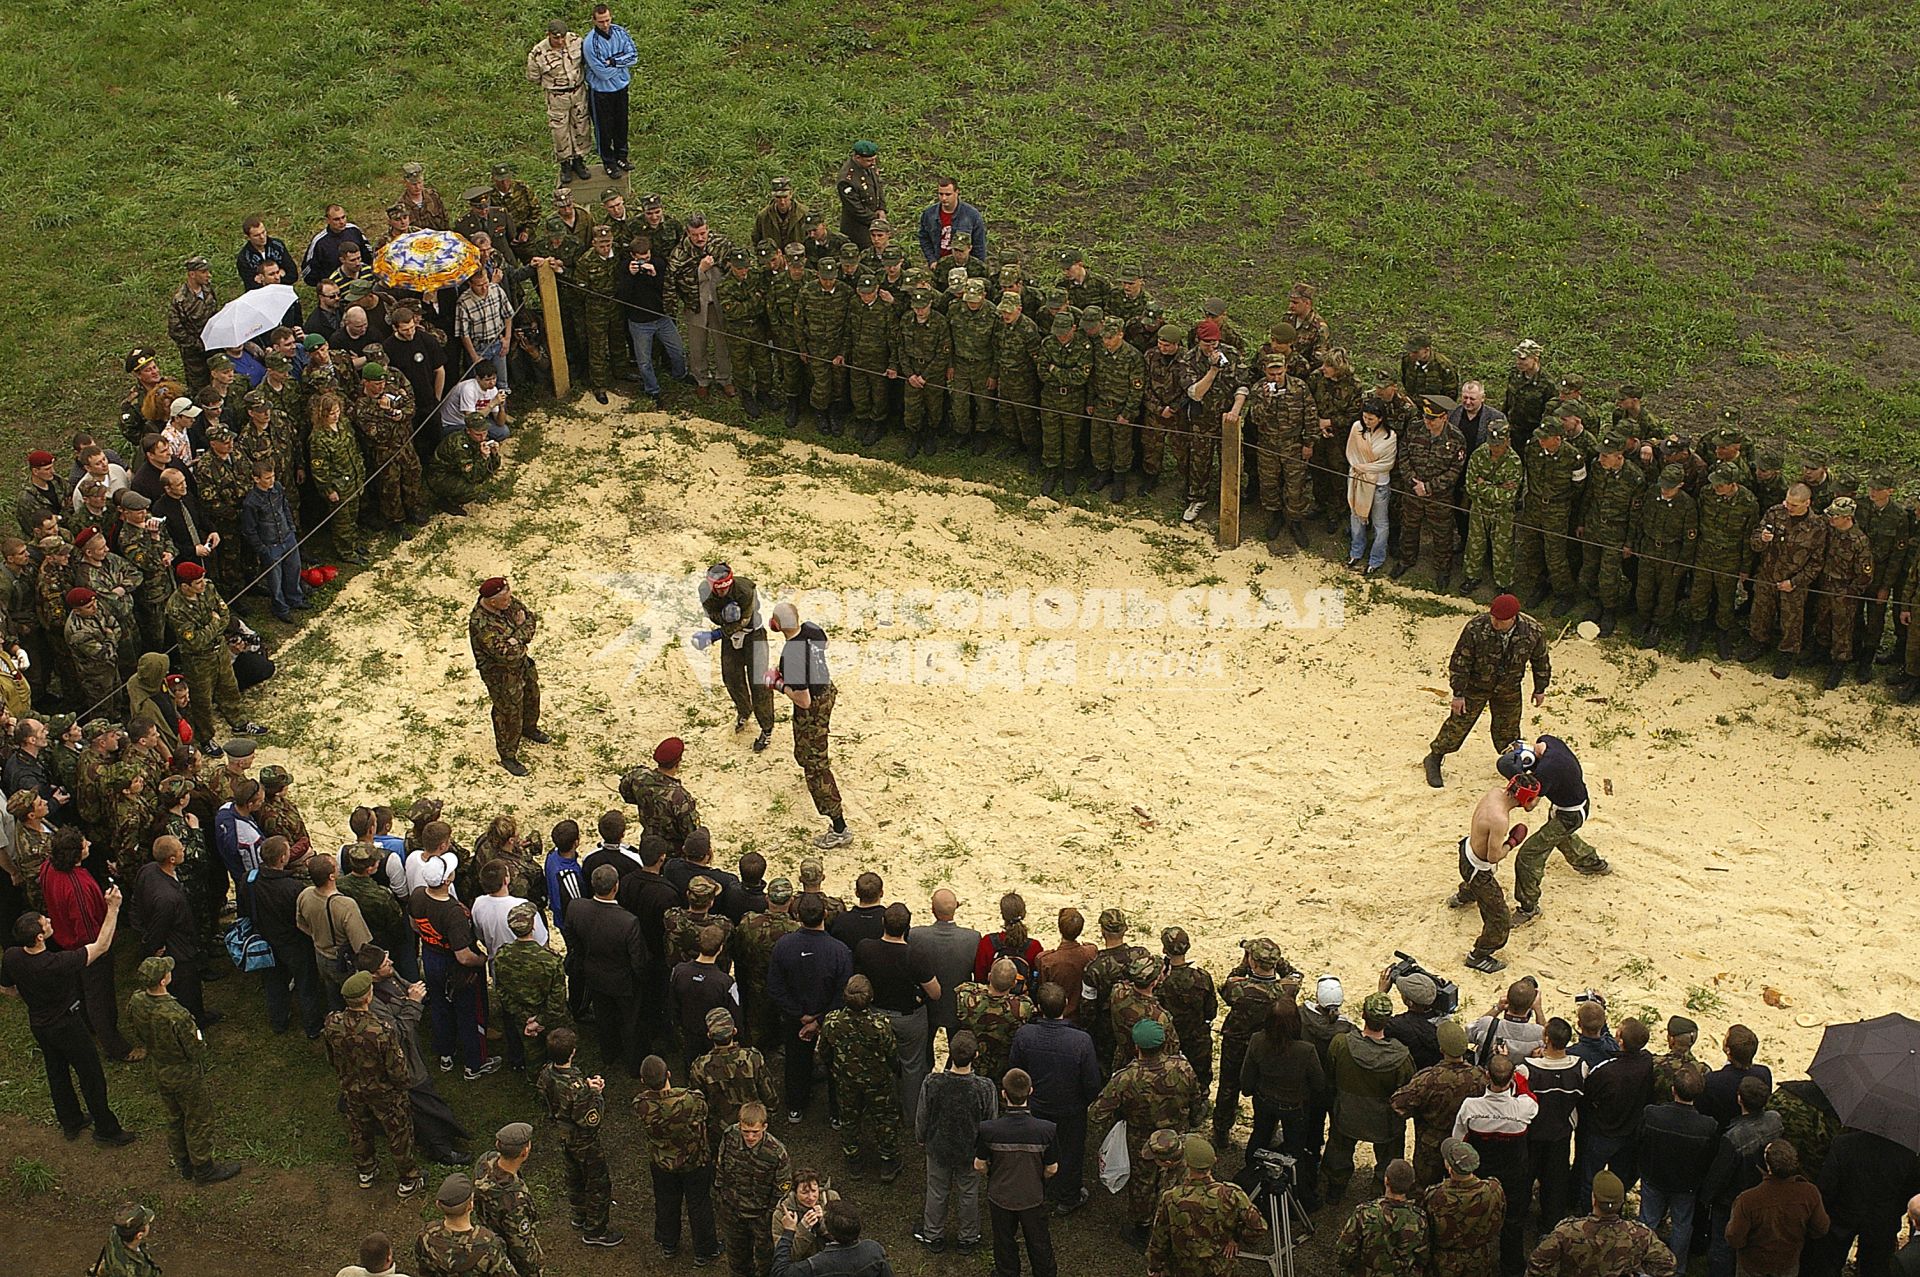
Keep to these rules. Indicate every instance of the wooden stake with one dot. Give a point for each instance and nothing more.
(1229, 534)
(556, 332)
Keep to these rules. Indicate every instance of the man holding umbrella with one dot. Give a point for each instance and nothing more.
(1870, 1072)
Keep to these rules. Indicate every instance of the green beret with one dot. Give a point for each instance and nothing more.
(865, 148)
(356, 986)
(1608, 1190)
(1173, 333)
(1148, 1035)
(1198, 1153)
(371, 371)
(1452, 1039)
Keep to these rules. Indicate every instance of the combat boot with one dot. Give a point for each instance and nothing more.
(1118, 492)
(1609, 621)
(1907, 694)
(1723, 644)
(1050, 483)
(1650, 635)
(1695, 634)
(932, 445)
(1070, 482)
(1275, 526)
(1783, 665)
(1400, 568)
(1752, 650)
(1148, 483)
(913, 445)
(834, 419)
(1468, 585)
(981, 443)
(1570, 604)
(749, 405)
(1836, 671)
(1863, 668)
(1441, 579)
(1033, 460)
(1432, 763)
(792, 418)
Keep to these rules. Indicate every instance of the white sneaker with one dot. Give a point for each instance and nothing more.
(833, 838)
(1191, 513)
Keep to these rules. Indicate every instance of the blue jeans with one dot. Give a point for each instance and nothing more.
(641, 333)
(282, 566)
(293, 976)
(1656, 1202)
(453, 1005)
(1377, 519)
(496, 354)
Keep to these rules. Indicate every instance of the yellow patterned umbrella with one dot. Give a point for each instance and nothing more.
(426, 260)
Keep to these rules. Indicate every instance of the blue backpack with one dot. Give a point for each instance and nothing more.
(247, 947)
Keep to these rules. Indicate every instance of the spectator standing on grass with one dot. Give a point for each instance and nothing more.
(77, 910)
(1011, 942)
(451, 961)
(806, 978)
(608, 56)
(274, 894)
(904, 986)
(332, 920)
(1017, 1153)
(952, 1105)
(1737, 1166)
(1556, 1079)
(483, 320)
(1676, 1148)
(949, 949)
(1722, 1085)
(1773, 1221)
(1058, 1058)
(1617, 1094)
(1066, 963)
(947, 217)
(608, 954)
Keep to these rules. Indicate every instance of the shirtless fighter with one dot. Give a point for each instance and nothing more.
(1494, 833)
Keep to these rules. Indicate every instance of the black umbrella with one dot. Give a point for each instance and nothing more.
(1870, 1072)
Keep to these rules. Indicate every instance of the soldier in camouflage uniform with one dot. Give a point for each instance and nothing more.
(503, 1203)
(1337, 396)
(871, 332)
(993, 1012)
(1387, 1237)
(177, 1063)
(464, 465)
(857, 1045)
(383, 415)
(1064, 364)
(682, 926)
(972, 324)
(499, 629)
(1682, 1033)
(743, 305)
(146, 547)
(923, 355)
(1249, 992)
(1546, 512)
(1433, 1097)
(1792, 543)
(1808, 1122)
(193, 304)
(1105, 970)
(1216, 387)
(813, 876)
(1615, 486)
(529, 989)
(1200, 1224)
(752, 947)
(1427, 468)
(595, 273)
(1890, 534)
(1163, 415)
(1186, 993)
(1116, 389)
(368, 1058)
(1425, 371)
(1465, 1213)
(1666, 528)
(1602, 1244)
(339, 473)
(1015, 381)
(93, 642)
(666, 809)
(825, 331)
(1157, 1091)
(576, 1101)
(1723, 557)
(788, 285)
(1846, 577)
(1529, 391)
(1492, 653)
(730, 1075)
(751, 1173)
(456, 1246)
(198, 618)
(223, 479)
(679, 1154)
(1133, 1001)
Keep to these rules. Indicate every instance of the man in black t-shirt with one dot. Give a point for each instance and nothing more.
(867, 919)
(903, 984)
(452, 964)
(802, 677)
(49, 983)
(1564, 786)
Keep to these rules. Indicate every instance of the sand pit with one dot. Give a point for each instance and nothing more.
(1104, 711)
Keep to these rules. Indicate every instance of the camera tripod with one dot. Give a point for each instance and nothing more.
(1282, 1209)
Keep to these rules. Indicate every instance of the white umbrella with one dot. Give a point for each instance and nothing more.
(247, 316)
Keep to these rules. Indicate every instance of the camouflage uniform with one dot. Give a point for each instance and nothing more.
(439, 1251)
(595, 275)
(1194, 1225)
(462, 469)
(1722, 554)
(1105, 970)
(187, 315)
(1465, 1217)
(1606, 518)
(1064, 369)
(576, 1106)
(1796, 553)
(682, 928)
(94, 644)
(783, 322)
(1016, 352)
(743, 305)
(499, 641)
(530, 983)
(870, 338)
(1805, 1124)
(1432, 1099)
(973, 329)
(1116, 387)
(1890, 534)
(1846, 571)
(1666, 530)
(1165, 389)
(1186, 993)
(1600, 1246)
(857, 1050)
(752, 946)
(923, 348)
(1437, 376)
(1203, 420)
(1337, 399)
(367, 1056)
(747, 1184)
(1129, 1005)
(993, 1018)
(1249, 1000)
(151, 551)
(337, 467)
(1666, 1069)
(728, 1076)
(1427, 522)
(1546, 512)
(223, 481)
(1385, 1238)
(177, 1063)
(665, 807)
(388, 430)
(1485, 671)
(1527, 397)
(504, 1204)
(824, 333)
(679, 1152)
(1156, 1092)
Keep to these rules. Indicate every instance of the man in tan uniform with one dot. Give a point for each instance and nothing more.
(554, 64)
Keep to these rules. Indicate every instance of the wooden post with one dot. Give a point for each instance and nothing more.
(1229, 534)
(556, 332)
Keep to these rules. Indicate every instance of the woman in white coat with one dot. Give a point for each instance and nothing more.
(1371, 447)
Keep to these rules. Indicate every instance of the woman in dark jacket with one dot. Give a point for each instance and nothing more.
(1283, 1075)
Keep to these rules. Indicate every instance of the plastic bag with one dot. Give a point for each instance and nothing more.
(1114, 1164)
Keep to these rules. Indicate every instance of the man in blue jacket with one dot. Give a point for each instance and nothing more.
(806, 978)
(946, 217)
(608, 53)
(1058, 1056)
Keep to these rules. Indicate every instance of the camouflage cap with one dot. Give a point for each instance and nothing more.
(98, 727)
(1882, 483)
(1010, 273)
(1144, 969)
(1114, 327)
(520, 918)
(974, 289)
(1769, 461)
(1113, 922)
(812, 872)
(1008, 306)
(423, 809)
(1723, 473)
(867, 283)
(1064, 324)
(1149, 1035)
(779, 891)
(1573, 381)
(1377, 1006)
(1529, 349)
(962, 240)
(1672, 476)
(132, 1217)
(174, 788)
(275, 777)
(1164, 1145)
(1497, 432)
(1842, 508)
(829, 268)
(1154, 310)
(892, 253)
(556, 227)
(219, 361)
(815, 218)
(1461, 1157)
(1612, 443)
(921, 298)
(720, 1025)
(1174, 940)
(1273, 359)
(1550, 425)
(1198, 1153)
(152, 970)
(1263, 951)
(277, 362)
(795, 251)
(413, 168)
(258, 398)
(701, 889)
(354, 856)
(737, 257)
(781, 185)
(1092, 318)
(1071, 257)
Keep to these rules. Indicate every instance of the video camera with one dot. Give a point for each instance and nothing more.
(1275, 1169)
(1446, 998)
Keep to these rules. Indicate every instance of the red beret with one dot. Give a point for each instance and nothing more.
(39, 457)
(492, 586)
(79, 596)
(1504, 607)
(667, 752)
(188, 571)
(174, 680)
(84, 535)
(1207, 330)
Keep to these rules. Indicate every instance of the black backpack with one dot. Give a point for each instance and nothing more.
(1022, 969)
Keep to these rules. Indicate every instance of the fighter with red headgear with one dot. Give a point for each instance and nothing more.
(1493, 834)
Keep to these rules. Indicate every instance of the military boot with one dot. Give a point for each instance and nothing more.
(1863, 667)
(1441, 579)
(981, 443)
(1469, 584)
(1275, 526)
(913, 445)
(1752, 650)
(1070, 482)
(1118, 492)
(1836, 671)
(1148, 483)
(1650, 635)
(1609, 621)
(1696, 633)
(1050, 484)
(792, 418)
(1298, 529)
(1033, 460)
(932, 444)
(1783, 665)
(1432, 764)
(1723, 644)
(749, 405)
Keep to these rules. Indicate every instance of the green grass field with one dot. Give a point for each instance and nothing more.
(1713, 198)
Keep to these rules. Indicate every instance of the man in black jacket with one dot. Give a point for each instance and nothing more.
(168, 928)
(607, 952)
(1676, 1147)
(1058, 1056)
(806, 978)
(647, 895)
(1736, 1167)
(1017, 1153)
(846, 1253)
(28, 767)
(275, 896)
(641, 290)
(1614, 1101)
(1865, 1182)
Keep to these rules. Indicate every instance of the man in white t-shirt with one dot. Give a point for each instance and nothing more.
(481, 392)
(490, 911)
(436, 844)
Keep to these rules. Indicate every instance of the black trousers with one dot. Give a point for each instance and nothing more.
(617, 1018)
(1550, 1165)
(799, 1070)
(187, 991)
(1008, 1227)
(68, 1050)
(1070, 1138)
(102, 1004)
(610, 123)
(694, 1188)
